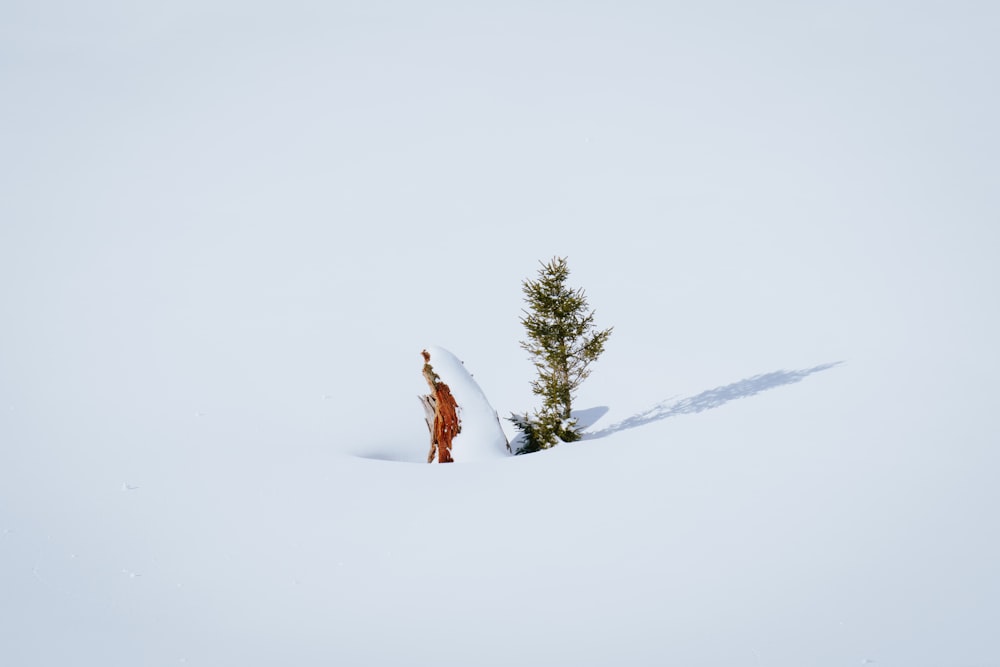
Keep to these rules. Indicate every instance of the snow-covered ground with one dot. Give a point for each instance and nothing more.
(228, 230)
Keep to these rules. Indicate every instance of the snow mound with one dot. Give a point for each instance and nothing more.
(481, 438)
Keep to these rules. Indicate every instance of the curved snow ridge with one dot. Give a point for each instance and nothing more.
(481, 437)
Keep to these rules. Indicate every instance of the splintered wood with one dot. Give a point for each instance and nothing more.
(441, 414)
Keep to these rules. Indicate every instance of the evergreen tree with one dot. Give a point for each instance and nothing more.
(563, 342)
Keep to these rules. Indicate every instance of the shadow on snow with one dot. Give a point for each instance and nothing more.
(707, 400)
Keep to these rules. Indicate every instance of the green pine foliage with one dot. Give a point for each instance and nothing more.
(563, 342)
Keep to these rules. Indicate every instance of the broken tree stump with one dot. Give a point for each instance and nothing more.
(441, 414)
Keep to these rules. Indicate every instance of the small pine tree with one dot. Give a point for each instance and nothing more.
(563, 342)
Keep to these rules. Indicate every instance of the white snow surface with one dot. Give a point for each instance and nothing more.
(481, 438)
(227, 230)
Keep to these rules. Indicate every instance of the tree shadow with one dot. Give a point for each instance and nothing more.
(713, 398)
(589, 416)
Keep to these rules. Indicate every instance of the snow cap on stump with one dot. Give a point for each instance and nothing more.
(481, 437)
